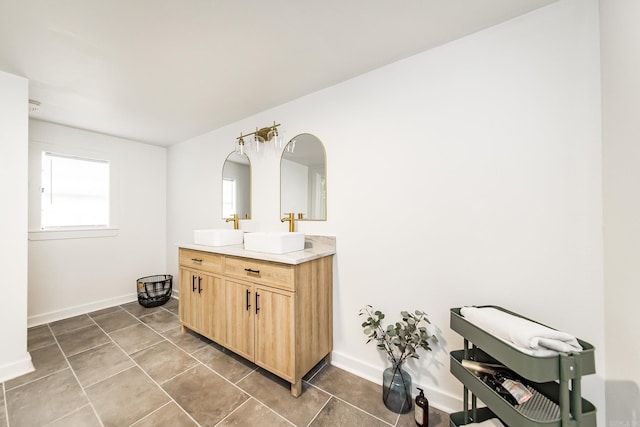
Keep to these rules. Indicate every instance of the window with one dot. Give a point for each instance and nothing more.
(74, 192)
(228, 197)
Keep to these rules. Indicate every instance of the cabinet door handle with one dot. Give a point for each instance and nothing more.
(248, 304)
(196, 260)
(248, 270)
(199, 282)
(257, 305)
(193, 283)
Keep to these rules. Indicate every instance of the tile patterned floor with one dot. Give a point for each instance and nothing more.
(132, 366)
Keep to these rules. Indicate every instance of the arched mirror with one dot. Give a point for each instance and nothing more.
(236, 186)
(303, 179)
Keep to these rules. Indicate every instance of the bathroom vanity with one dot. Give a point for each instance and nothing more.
(274, 310)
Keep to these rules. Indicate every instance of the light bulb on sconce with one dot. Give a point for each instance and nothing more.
(277, 139)
(258, 143)
(291, 146)
(240, 148)
(261, 140)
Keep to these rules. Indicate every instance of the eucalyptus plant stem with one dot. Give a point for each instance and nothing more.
(407, 393)
(387, 345)
(396, 368)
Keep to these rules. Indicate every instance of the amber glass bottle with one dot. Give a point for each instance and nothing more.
(422, 410)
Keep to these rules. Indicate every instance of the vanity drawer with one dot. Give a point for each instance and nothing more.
(263, 272)
(211, 263)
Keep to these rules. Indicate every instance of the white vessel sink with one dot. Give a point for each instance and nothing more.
(274, 242)
(218, 237)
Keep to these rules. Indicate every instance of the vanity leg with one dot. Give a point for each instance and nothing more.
(327, 359)
(183, 329)
(296, 388)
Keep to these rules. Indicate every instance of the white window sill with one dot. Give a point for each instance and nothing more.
(87, 233)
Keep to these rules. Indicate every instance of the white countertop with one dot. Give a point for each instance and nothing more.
(315, 247)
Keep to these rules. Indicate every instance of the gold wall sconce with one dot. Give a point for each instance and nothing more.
(260, 136)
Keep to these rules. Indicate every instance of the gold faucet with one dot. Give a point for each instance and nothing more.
(234, 218)
(290, 218)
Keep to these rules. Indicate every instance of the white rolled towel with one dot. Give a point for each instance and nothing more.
(530, 337)
(491, 422)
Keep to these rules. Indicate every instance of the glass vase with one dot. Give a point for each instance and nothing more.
(396, 389)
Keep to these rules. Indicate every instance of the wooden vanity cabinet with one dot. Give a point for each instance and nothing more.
(277, 315)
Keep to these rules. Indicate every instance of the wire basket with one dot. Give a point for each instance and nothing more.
(154, 290)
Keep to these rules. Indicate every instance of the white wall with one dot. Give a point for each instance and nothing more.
(468, 174)
(73, 276)
(621, 136)
(14, 359)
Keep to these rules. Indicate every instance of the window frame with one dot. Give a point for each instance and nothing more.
(49, 183)
(36, 232)
(234, 196)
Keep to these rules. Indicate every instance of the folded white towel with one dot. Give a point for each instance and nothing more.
(491, 422)
(527, 336)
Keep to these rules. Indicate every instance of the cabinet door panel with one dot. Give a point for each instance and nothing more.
(275, 332)
(216, 309)
(187, 306)
(201, 305)
(240, 306)
(200, 296)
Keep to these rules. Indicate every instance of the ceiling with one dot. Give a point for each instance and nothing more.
(163, 71)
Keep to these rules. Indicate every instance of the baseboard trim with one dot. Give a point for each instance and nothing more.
(52, 316)
(437, 398)
(14, 369)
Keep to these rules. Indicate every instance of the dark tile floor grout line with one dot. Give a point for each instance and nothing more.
(247, 402)
(129, 327)
(108, 377)
(36, 379)
(264, 403)
(176, 345)
(180, 373)
(73, 412)
(320, 410)
(87, 349)
(251, 372)
(109, 313)
(84, 392)
(220, 375)
(137, 350)
(153, 412)
(70, 330)
(234, 411)
(368, 413)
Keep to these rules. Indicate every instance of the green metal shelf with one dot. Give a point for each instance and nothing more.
(538, 369)
(555, 381)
